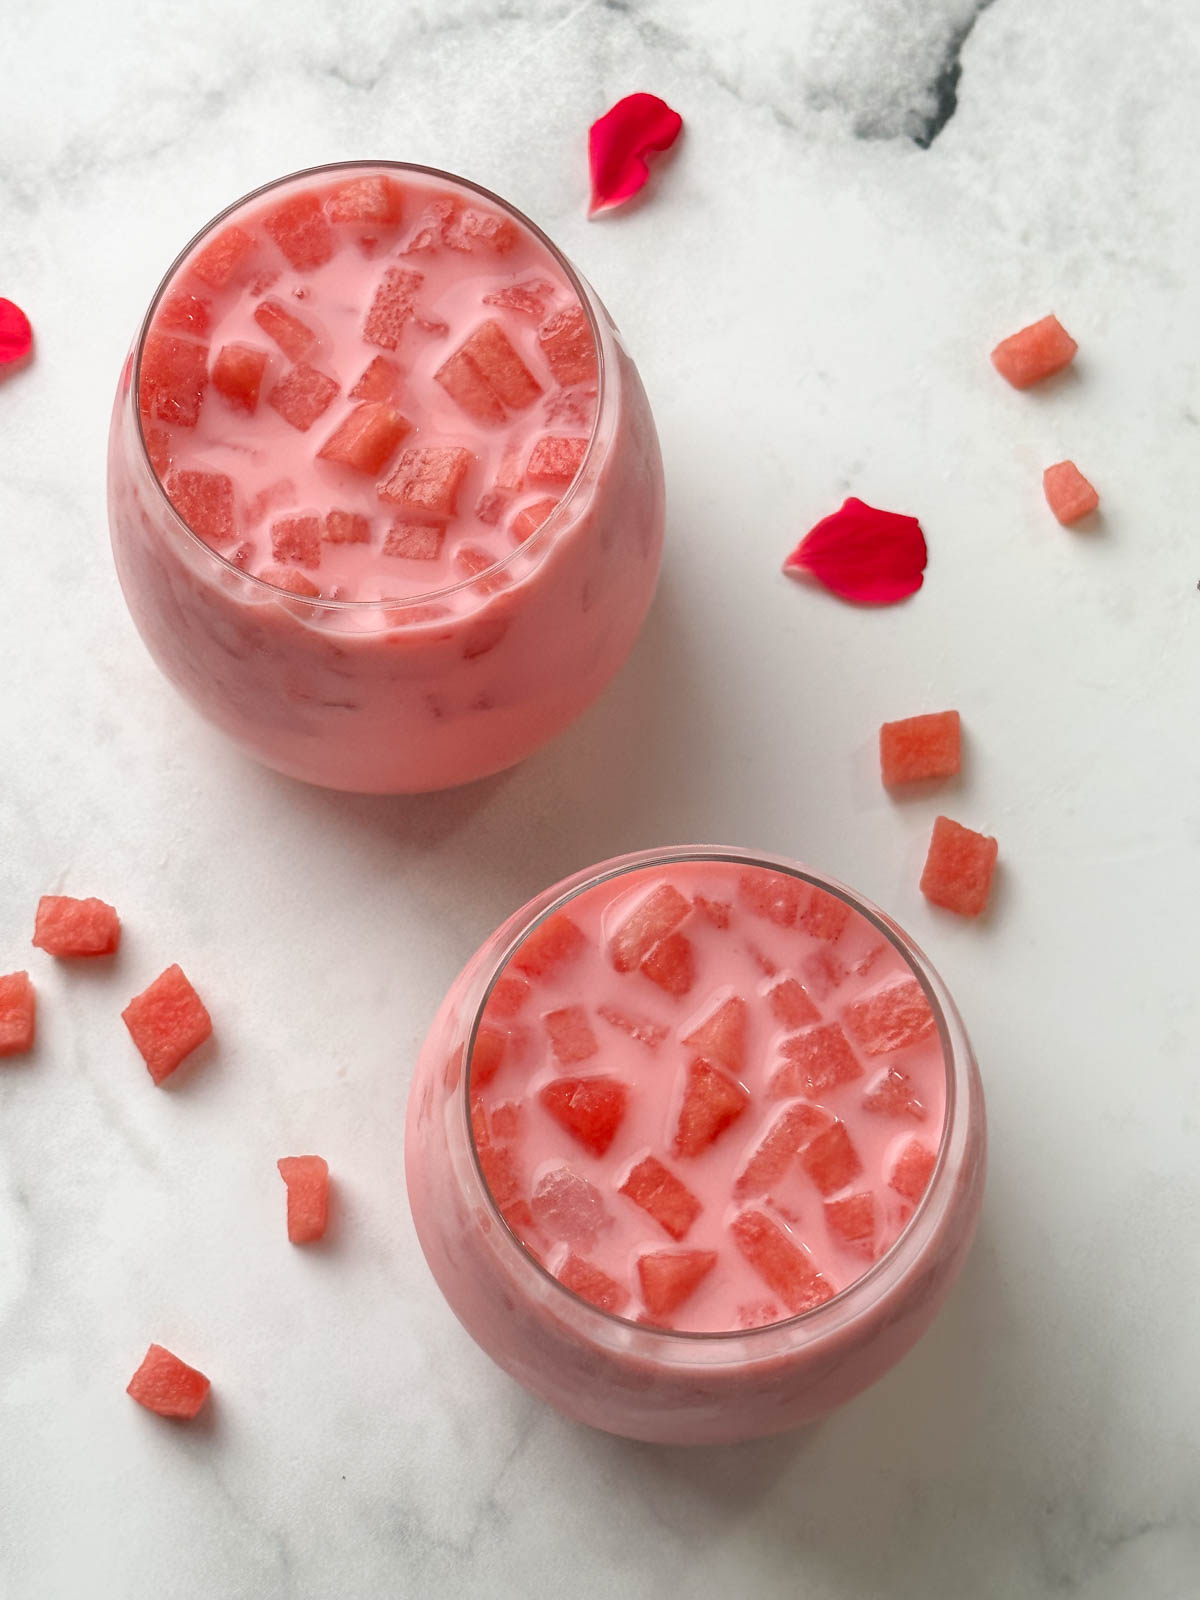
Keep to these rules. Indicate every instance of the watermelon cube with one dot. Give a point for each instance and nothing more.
(894, 1095)
(506, 1120)
(307, 1180)
(917, 748)
(237, 375)
(393, 307)
(503, 1178)
(912, 1170)
(890, 1018)
(472, 561)
(380, 381)
(715, 911)
(651, 1034)
(790, 1004)
(185, 313)
(721, 1037)
(824, 971)
(428, 480)
(671, 964)
(346, 527)
(158, 448)
(300, 229)
(530, 518)
(167, 1022)
(824, 916)
(771, 895)
(367, 438)
(711, 1103)
(662, 1195)
(771, 1161)
(468, 229)
(414, 541)
(814, 1060)
(294, 338)
(224, 258)
(550, 943)
(1068, 493)
(571, 1035)
(528, 297)
(376, 199)
(959, 868)
(491, 1048)
(852, 1222)
(652, 919)
(67, 927)
(486, 377)
(670, 1277)
(590, 1109)
(830, 1159)
(172, 378)
(757, 1313)
(555, 458)
(568, 346)
(780, 1262)
(205, 502)
(168, 1386)
(590, 1283)
(302, 395)
(294, 582)
(568, 1207)
(507, 998)
(297, 540)
(18, 1014)
(1035, 353)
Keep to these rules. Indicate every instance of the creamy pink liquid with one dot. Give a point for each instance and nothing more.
(848, 1044)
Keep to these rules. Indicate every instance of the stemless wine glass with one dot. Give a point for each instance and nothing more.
(425, 691)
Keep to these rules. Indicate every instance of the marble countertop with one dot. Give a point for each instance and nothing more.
(868, 195)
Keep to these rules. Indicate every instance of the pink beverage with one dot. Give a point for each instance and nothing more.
(385, 493)
(696, 1146)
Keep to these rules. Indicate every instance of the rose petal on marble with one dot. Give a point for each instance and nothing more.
(619, 142)
(872, 557)
(16, 335)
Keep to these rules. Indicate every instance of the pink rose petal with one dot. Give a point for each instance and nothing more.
(620, 141)
(16, 335)
(868, 556)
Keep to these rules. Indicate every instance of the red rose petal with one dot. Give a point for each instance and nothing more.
(620, 141)
(869, 556)
(16, 336)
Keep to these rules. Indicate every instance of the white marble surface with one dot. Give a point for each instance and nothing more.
(811, 295)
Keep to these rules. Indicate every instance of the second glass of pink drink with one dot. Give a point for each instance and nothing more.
(695, 1146)
(385, 493)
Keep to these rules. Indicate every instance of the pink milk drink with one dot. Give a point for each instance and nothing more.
(385, 493)
(696, 1145)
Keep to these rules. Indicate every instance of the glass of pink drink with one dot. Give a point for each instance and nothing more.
(385, 493)
(696, 1145)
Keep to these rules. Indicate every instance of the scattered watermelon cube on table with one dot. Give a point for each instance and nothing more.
(166, 1385)
(167, 1022)
(1035, 353)
(68, 927)
(18, 1014)
(1068, 493)
(959, 868)
(307, 1180)
(922, 747)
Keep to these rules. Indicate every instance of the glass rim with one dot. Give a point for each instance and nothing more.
(541, 538)
(844, 1298)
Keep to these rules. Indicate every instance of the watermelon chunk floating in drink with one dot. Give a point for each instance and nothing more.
(590, 1109)
(783, 1265)
(669, 1277)
(712, 1102)
(237, 375)
(652, 919)
(662, 1195)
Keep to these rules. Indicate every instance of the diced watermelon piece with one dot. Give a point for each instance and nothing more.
(815, 1059)
(590, 1283)
(669, 1277)
(913, 1170)
(346, 527)
(571, 1036)
(185, 313)
(491, 1047)
(376, 199)
(297, 540)
(167, 1022)
(173, 378)
(824, 916)
(380, 381)
(302, 395)
(852, 1221)
(790, 1004)
(486, 377)
(918, 748)
(528, 520)
(715, 911)
(307, 1179)
(224, 257)
(959, 868)
(67, 927)
(18, 1014)
(428, 480)
(273, 498)
(830, 1159)
(555, 458)
(168, 1386)
(300, 229)
(498, 1165)
(552, 942)
(770, 1162)
(508, 997)
(414, 541)
(490, 506)
(506, 1120)
(590, 1109)
(529, 297)
(472, 562)
(158, 448)
(894, 1095)
(671, 964)
(757, 1314)
(1068, 493)
(662, 1196)
(721, 1037)
(1035, 353)
(568, 346)
(711, 1102)
(290, 579)
(205, 502)
(568, 1207)
(784, 1267)
(773, 895)
(294, 338)
(652, 919)
(367, 438)
(467, 228)
(393, 306)
(237, 375)
(890, 1018)
(823, 972)
(651, 1034)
